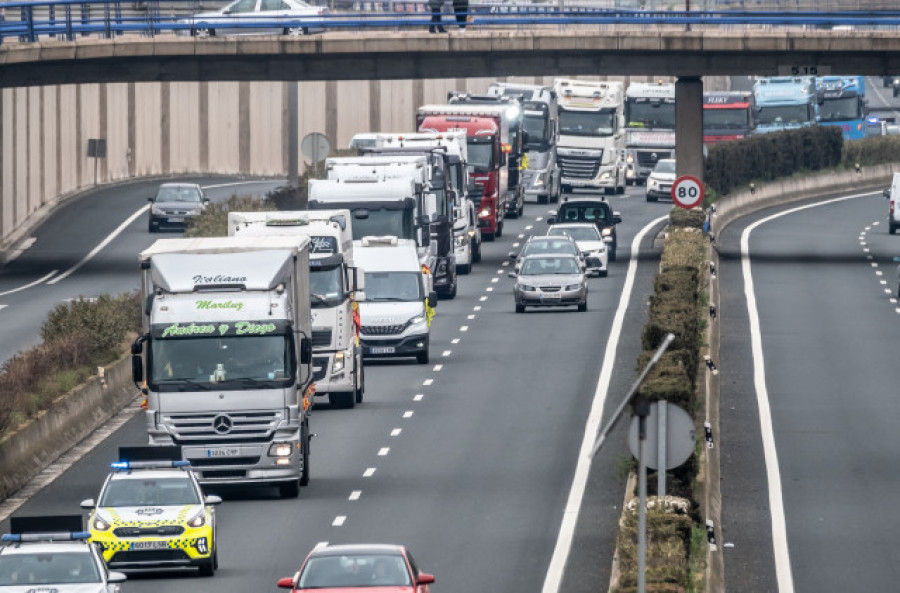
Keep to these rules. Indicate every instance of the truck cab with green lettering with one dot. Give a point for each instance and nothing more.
(225, 356)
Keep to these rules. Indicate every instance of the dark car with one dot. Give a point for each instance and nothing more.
(174, 204)
(593, 210)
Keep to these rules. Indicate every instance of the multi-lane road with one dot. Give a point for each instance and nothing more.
(471, 460)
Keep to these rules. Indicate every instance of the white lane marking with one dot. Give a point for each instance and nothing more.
(355, 495)
(869, 228)
(3, 307)
(454, 341)
(529, 227)
(445, 353)
(101, 245)
(470, 317)
(427, 382)
(489, 288)
(495, 279)
(370, 471)
(874, 264)
(515, 244)
(539, 218)
(506, 263)
(879, 273)
(876, 223)
(30, 284)
(22, 248)
(339, 520)
(437, 368)
(482, 298)
(396, 432)
(384, 451)
(418, 397)
(576, 493)
(783, 575)
(869, 257)
(476, 308)
(500, 272)
(233, 183)
(888, 291)
(464, 328)
(408, 414)
(866, 250)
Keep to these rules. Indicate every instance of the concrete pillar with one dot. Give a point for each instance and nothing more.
(689, 126)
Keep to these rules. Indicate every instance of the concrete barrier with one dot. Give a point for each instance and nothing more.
(72, 417)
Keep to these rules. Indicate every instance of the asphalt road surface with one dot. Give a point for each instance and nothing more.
(468, 460)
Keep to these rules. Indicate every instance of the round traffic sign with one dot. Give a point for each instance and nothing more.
(687, 192)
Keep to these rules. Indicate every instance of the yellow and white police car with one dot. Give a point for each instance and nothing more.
(51, 553)
(153, 514)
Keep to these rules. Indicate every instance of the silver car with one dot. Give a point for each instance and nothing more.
(174, 204)
(550, 281)
(258, 17)
(589, 242)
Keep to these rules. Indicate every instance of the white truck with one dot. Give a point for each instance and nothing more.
(335, 285)
(395, 316)
(649, 128)
(591, 145)
(225, 356)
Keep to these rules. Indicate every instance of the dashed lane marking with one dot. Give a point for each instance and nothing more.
(470, 317)
(408, 414)
(446, 353)
(418, 397)
(489, 289)
(529, 227)
(454, 341)
(476, 308)
(355, 494)
(495, 279)
(339, 520)
(438, 367)
(464, 328)
(370, 471)
(396, 432)
(482, 299)
(427, 382)
(384, 451)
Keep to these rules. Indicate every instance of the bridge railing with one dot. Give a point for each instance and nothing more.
(32, 20)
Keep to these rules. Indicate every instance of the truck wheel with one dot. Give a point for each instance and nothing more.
(287, 490)
(345, 399)
(521, 211)
(612, 252)
(499, 229)
(422, 357)
(360, 384)
(891, 229)
(543, 199)
(305, 438)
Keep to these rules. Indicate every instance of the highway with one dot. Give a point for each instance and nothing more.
(468, 460)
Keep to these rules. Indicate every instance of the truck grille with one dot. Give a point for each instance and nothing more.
(578, 167)
(148, 531)
(476, 193)
(220, 461)
(234, 427)
(648, 158)
(321, 337)
(382, 330)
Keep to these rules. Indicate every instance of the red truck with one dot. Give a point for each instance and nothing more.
(486, 159)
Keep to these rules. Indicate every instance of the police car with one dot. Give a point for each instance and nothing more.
(151, 513)
(52, 553)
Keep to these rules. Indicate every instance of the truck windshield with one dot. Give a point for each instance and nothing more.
(231, 362)
(726, 119)
(646, 114)
(326, 287)
(398, 223)
(537, 125)
(394, 286)
(784, 114)
(839, 109)
(480, 155)
(587, 123)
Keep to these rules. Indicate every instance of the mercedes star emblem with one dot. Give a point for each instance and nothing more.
(222, 424)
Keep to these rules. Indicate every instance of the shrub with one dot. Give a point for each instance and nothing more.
(213, 222)
(874, 150)
(105, 320)
(668, 544)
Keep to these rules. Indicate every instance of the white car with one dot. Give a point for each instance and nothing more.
(589, 241)
(659, 183)
(466, 238)
(258, 17)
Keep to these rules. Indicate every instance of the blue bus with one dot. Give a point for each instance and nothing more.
(785, 103)
(842, 103)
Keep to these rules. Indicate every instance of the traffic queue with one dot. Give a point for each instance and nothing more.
(241, 334)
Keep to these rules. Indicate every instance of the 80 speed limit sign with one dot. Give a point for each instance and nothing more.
(687, 192)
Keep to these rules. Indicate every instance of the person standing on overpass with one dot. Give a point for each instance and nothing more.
(461, 9)
(436, 7)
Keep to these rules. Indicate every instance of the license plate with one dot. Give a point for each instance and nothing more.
(233, 452)
(154, 545)
(381, 350)
(550, 297)
(176, 219)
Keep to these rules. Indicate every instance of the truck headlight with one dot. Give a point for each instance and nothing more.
(460, 240)
(280, 450)
(484, 213)
(538, 181)
(606, 232)
(198, 520)
(605, 175)
(338, 362)
(629, 159)
(98, 524)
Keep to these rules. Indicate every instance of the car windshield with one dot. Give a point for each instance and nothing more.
(19, 570)
(549, 246)
(357, 570)
(664, 166)
(394, 286)
(587, 123)
(178, 194)
(585, 233)
(583, 213)
(141, 492)
(538, 266)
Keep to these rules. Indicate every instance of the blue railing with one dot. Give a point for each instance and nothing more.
(31, 20)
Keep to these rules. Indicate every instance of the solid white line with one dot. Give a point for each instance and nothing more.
(783, 573)
(101, 245)
(30, 284)
(260, 181)
(576, 493)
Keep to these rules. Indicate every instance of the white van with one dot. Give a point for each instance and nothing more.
(395, 315)
(893, 196)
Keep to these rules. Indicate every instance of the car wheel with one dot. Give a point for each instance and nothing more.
(464, 268)
(650, 199)
(152, 227)
(582, 306)
(612, 252)
(361, 384)
(450, 293)
(208, 568)
(543, 199)
(345, 399)
(520, 308)
(892, 229)
(422, 357)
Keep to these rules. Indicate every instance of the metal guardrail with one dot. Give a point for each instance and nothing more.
(68, 19)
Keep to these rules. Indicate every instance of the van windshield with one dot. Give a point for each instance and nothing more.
(394, 286)
(378, 223)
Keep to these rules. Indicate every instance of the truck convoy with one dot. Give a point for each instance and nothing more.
(650, 128)
(785, 103)
(225, 356)
(591, 146)
(334, 283)
(540, 121)
(486, 131)
(728, 115)
(842, 103)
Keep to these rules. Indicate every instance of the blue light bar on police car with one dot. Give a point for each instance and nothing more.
(42, 537)
(873, 119)
(126, 465)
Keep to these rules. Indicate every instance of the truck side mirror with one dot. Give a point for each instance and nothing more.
(305, 350)
(137, 368)
(432, 299)
(887, 193)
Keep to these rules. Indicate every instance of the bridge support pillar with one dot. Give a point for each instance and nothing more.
(689, 126)
(293, 133)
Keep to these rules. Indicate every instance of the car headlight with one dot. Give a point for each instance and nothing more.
(651, 183)
(280, 449)
(98, 524)
(573, 287)
(157, 210)
(198, 520)
(484, 213)
(606, 232)
(526, 288)
(417, 320)
(338, 362)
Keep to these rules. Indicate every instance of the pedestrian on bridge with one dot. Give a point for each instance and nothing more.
(461, 9)
(436, 7)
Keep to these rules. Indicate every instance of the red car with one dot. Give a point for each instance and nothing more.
(359, 567)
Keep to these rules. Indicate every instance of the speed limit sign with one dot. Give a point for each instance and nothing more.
(687, 192)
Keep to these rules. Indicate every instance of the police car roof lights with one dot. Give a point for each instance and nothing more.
(129, 465)
(46, 537)
(46, 528)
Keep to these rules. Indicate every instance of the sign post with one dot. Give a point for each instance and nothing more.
(687, 192)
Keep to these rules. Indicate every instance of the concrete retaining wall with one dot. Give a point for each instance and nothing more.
(27, 451)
